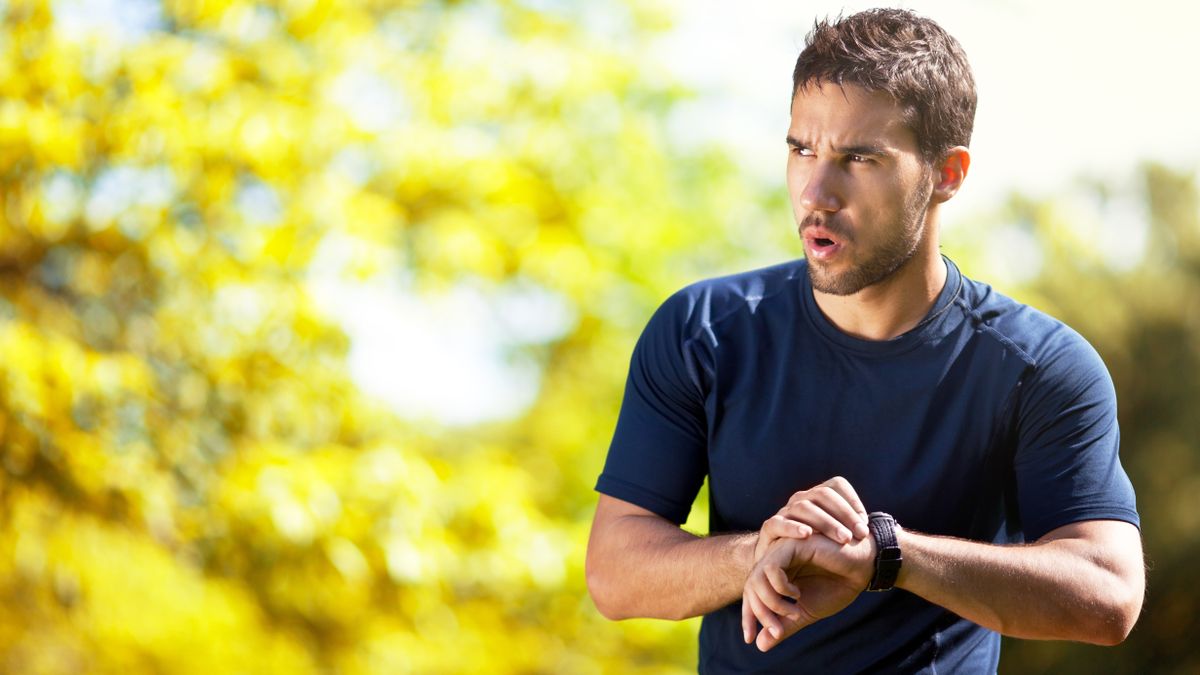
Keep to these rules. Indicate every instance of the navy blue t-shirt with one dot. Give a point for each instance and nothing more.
(989, 421)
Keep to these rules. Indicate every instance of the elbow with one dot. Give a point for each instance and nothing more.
(617, 600)
(604, 593)
(1114, 630)
(1117, 619)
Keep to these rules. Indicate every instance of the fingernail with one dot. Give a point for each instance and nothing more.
(774, 631)
(844, 535)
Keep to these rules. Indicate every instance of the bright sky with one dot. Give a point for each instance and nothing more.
(1065, 88)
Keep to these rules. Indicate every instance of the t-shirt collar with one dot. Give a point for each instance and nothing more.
(937, 321)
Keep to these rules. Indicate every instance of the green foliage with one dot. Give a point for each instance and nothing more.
(189, 480)
(1142, 313)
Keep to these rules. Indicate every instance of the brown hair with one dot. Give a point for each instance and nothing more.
(909, 57)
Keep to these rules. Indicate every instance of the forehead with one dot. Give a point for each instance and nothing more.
(828, 113)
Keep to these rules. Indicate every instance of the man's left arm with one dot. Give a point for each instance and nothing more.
(1082, 578)
(1084, 581)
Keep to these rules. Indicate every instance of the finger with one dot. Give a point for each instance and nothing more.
(749, 623)
(847, 491)
(778, 527)
(779, 605)
(782, 585)
(835, 502)
(781, 595)
(765, 539)
(765, 616)
(822, 513)
(763, 588)
(765, 641)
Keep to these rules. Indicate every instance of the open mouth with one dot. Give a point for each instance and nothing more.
(821, 247)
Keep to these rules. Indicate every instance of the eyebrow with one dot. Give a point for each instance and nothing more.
(865, 149)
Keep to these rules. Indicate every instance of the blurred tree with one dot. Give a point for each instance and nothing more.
(1121, 264)
(190, 481)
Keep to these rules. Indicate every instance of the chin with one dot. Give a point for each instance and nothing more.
(846, 283)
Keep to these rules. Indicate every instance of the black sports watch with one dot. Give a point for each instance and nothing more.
(887, 556)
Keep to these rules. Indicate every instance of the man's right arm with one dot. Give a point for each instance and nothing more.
(640, 564)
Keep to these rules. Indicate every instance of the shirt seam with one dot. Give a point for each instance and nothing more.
(1003, 339)
(707, 325)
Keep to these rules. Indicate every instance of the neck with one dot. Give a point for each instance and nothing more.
(893, 306)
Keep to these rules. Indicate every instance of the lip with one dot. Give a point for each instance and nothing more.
(817, 250)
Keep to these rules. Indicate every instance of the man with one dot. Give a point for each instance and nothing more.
(872, 375)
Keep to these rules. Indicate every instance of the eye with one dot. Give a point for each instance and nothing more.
(801, 151)
(858, 159)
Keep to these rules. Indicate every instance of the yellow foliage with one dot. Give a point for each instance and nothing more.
(130, 603)
(189, 479)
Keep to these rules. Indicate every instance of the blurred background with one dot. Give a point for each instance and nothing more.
(315, 315)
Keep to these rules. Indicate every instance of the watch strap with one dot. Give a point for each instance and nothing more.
(887, 554)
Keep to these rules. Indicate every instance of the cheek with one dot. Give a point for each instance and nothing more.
(795, 184)
(892, 195)
(799, 172)
(792, 174)
(916, 183)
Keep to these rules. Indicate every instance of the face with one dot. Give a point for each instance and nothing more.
(859, 188)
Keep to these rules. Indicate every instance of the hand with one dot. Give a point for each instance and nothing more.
(821, 577)
(831, 508)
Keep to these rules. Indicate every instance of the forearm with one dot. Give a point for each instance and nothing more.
(648, 567)
(1059, 588)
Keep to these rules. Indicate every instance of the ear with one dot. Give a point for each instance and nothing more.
(950, 174)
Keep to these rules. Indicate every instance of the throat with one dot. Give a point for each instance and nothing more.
(889, 309)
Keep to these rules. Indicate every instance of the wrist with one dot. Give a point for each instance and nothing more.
(745, 551)
(888, 559)
(907, 541)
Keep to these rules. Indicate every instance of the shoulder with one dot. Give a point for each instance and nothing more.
(1054, 353)
(697, 307)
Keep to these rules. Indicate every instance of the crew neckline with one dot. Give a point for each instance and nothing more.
(934, 323)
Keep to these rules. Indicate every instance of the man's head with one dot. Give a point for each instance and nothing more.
(908, 57)
(882, 108)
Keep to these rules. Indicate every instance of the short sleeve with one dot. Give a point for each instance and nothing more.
(658, 456)
(1067, 463)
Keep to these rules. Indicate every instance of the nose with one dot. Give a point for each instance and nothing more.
(818, 189)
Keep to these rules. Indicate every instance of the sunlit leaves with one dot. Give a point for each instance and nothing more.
(190, 479)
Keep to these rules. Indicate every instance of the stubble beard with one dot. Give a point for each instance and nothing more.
(882, 263)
